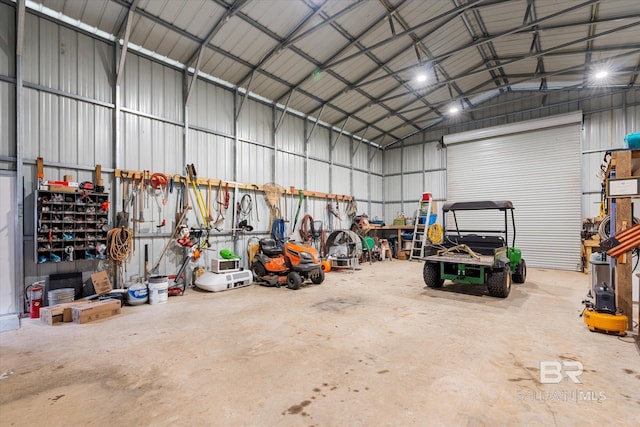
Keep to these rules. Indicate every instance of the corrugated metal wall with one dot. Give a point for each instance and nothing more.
(539, 172)
(69, 120)
(69, 102)
(7, 119)
(7, 89)
(604, 131)
(415, 167)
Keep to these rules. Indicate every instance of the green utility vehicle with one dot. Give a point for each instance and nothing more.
(478, 256)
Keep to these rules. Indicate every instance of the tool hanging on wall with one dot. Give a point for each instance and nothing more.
(141, 202)
(210, 205)
(192, 177)
(331, 214)
(255, 197)
(272, 192)
(174, 235)
(351, 209)
(223, 205)
(159, 184)
(122, 217)
(134, 204)
(300, 201)
(243, 213)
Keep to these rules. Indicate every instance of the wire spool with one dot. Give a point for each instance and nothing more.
(307, 228)
(604, 231)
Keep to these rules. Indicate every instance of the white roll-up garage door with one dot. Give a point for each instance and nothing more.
(539, 171)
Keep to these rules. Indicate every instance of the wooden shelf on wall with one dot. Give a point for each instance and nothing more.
(136, 175)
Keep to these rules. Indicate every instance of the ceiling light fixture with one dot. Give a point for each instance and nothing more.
(453, 110)
(601, 74)
(421, 78)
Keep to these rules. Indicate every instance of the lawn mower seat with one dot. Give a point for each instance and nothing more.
(270, 248)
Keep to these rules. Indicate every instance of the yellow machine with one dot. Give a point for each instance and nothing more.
(605, 322)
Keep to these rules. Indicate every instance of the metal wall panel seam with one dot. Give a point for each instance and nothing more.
(221, 134)
(7, 79)
(65, 94)
(417, 171)
(150, 116)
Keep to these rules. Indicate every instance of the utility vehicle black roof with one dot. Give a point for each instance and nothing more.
(475, 206)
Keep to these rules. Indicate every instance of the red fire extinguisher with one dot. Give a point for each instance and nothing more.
(35, 299)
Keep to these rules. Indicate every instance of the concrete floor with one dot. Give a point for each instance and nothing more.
(365, 348)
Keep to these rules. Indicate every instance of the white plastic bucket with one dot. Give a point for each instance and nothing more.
(137, 293)
(158, 290)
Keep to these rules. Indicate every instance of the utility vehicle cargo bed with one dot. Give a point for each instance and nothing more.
(461, 258)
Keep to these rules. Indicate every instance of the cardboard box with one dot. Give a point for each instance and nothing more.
(59, 313)
(62, 188)
(101, 282)
(95, 310)
(68, 178)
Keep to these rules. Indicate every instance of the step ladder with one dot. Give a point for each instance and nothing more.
(420, 231)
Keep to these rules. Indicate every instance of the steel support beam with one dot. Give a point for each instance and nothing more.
(531, 55)
(333, 144)
(197, 55)
(448, 15)
(286, 107)
(311, 60)
(315, 123)
(485, 40)
(18, 202)
(634, 74)
(324, 23)
(216, 49)
(125, 43)
(589, 46)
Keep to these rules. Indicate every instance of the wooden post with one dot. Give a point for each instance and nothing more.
(40, 167)
(624, 216)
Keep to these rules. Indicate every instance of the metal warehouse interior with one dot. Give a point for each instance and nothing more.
(154, 144)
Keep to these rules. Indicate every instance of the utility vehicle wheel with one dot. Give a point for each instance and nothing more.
(520, 275)
(258, 270)
(294, 280)
(317, 276)
(431, 275)
(499, 283)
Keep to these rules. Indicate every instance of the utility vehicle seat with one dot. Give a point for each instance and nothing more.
(270, 248)
(482, 244)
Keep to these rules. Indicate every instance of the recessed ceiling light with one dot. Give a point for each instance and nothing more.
(453, 110)
(421, 78)
(602, 74)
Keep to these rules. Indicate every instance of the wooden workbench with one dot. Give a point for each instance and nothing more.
(374, 231)
(588, 247)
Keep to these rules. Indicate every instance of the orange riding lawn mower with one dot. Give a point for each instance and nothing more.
(289, 265)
